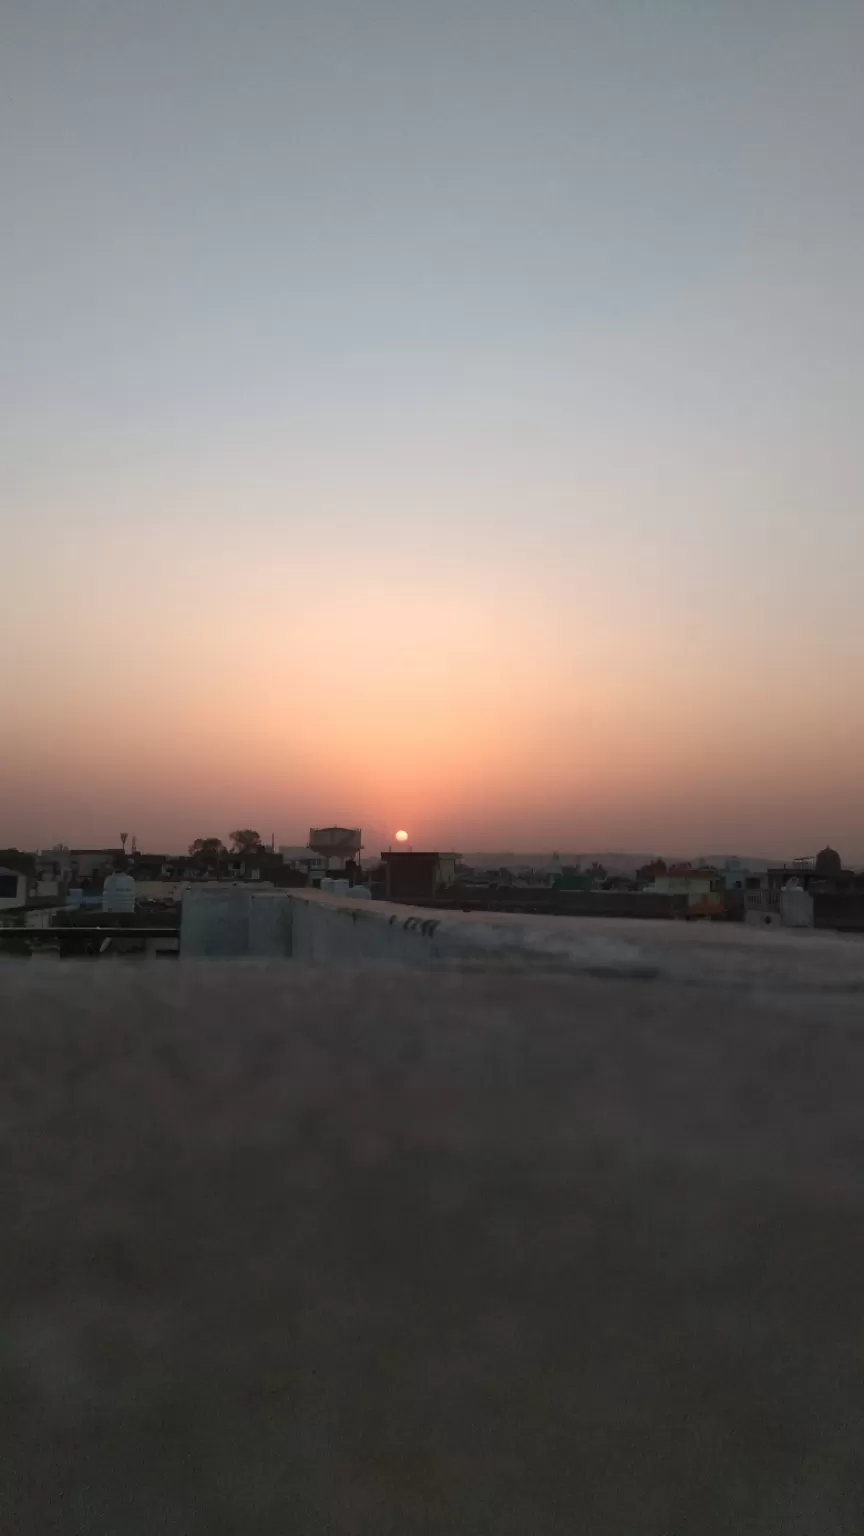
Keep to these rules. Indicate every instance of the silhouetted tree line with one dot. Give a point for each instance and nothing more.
(243, 841)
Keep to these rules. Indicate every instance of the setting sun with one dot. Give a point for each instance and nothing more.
(401, 837)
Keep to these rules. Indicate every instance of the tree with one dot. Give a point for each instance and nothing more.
(207, 848)
(245, 841)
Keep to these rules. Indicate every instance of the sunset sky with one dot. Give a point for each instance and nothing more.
(433, 415)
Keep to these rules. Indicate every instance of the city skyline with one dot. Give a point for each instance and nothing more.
(434, 417)
(376, 840)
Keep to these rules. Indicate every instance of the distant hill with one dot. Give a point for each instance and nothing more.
(622, 862)
(617, 862)
(745, 858)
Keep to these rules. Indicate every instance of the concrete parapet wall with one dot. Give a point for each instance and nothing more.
(230, 921)
(234, 921)
(225, 921)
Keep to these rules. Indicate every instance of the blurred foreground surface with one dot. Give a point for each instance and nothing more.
(376, 1253)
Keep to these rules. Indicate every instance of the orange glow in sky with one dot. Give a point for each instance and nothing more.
(491, 471)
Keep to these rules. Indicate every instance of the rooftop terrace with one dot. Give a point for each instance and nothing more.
(390, 1251)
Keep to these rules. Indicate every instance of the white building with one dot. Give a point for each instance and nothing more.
(304, 859)
(735, 874)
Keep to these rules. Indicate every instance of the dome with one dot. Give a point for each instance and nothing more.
(828, 864)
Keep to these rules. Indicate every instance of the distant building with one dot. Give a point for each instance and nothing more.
(90, 863)
(582, 880)
(734, 874)
(162, 889)
(14, 887)
(13, 858)
(305, 859)
(822, 875)
(703, 889)
(417, 876)
(648, 873)
(54, 863)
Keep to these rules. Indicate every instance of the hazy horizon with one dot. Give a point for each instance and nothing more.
(377, 840)
(433, 416)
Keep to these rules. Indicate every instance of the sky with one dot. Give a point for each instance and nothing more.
(435, 416)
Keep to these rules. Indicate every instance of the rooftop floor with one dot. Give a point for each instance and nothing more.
(390, 1252)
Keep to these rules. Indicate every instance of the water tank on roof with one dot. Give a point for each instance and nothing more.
(796, 906)
(336, 842)
(118, 894)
